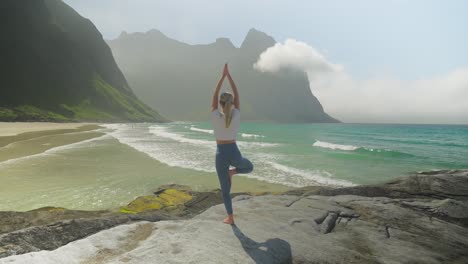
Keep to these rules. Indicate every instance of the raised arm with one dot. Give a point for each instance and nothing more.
(214, 101)
(234, 90)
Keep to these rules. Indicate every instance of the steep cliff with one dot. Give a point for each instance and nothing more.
(180, 78)
(57, 67)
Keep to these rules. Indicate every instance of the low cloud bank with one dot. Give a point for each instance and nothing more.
(439, 99)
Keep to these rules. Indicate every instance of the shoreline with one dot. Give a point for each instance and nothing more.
(16, 128)
(37, 143)
(30, 130)
(27, 142)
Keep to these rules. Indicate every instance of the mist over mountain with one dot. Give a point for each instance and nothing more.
(55, 66)
(179, 79)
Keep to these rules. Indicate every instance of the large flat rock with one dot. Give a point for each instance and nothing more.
(277, 229)
(417, 219)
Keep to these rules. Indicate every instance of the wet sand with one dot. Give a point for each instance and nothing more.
(15, 128)
(15, 132)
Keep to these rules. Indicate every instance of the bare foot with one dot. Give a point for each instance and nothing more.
(231, 173)
(229, 220)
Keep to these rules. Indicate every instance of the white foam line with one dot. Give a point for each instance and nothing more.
(162, 151)
(35, 138)
(158, 150)
(256, 144)
(153, 150)
(163, 132)
(202, 130)
(323, 144)
(51, 151)
(158, 155)
(320, 177)
(245, 135)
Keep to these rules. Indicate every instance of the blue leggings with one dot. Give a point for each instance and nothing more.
(229, 154)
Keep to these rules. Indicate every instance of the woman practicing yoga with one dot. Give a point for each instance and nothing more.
(225, 127)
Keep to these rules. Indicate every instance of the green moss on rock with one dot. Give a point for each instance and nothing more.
(166, 199)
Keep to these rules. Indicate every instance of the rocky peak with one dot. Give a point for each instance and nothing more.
(257, 40)
(224, 42)
(151, 34)
(123, 34)
(155, 33)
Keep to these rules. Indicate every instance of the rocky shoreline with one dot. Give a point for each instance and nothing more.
(421, 218)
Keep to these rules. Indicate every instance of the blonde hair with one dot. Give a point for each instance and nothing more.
(226, 101)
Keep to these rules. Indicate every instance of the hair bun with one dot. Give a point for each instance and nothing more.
(226, 98)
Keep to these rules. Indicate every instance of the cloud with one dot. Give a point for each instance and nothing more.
(439, 99)
(296, 55)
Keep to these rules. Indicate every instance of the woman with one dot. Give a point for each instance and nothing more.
(225, 126)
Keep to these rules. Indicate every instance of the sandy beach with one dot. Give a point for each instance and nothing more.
(15, 128)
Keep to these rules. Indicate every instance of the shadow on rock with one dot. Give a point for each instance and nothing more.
(274, 250)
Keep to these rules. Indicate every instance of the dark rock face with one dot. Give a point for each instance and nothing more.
(180, 78)
(417, 219)
(50, 227)
(52, 236)
(441, 194)
(12, 221)
(56, 66)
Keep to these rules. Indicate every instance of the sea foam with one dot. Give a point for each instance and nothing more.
(320, 177)
(54, 150)
(158, 143)
(208, 131)
(245, 135)
(323, 144)
(174, 148)
(373, 151)
(165, 133)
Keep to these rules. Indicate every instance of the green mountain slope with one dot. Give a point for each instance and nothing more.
(55, 66)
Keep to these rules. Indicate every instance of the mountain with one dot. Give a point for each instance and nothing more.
(55, 66)
(180, 78)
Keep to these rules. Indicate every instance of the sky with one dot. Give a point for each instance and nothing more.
(393, 61)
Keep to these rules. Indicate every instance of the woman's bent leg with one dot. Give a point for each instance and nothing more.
(242, 164)
(222, 168)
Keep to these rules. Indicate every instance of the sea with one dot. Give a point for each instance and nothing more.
(109, 167)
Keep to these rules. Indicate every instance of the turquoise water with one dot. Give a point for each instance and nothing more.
(109, 168)
(304, 154)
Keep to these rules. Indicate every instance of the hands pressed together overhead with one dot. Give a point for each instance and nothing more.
(226, 71)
